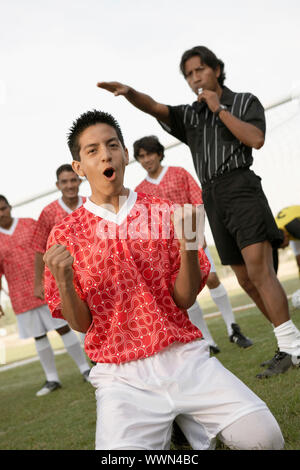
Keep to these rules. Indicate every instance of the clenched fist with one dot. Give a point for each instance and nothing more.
(189, 225)
(60, 262)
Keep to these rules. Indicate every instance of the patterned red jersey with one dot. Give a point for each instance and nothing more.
(174, 183)
(51, 215)
(17, 264)
(126, 277)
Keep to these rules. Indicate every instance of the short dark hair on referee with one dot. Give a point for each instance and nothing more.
(90, 118)
(150, 144)
(64, 167)
(207, 57)
(3, 198)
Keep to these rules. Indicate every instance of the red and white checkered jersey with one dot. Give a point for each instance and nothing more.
(51, 215)
(174, 183)
(126, 277)
(17, 264)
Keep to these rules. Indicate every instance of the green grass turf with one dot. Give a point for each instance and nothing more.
(65, 419)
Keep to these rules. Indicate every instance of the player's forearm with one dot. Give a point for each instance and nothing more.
(74, 310)
(39, 267)
(247, 133)
(188, 280)
(148, 105)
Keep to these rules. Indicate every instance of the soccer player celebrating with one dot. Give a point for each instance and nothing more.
(119, 269)
(33, 316)
(177, 185)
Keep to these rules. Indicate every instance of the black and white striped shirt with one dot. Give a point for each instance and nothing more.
(215, 150)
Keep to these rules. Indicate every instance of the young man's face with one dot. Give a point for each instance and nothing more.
(5, 214)
(68, 183)
(199, 75)
(150, 161)
(102, 159)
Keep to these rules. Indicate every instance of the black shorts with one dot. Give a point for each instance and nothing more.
(239, 214)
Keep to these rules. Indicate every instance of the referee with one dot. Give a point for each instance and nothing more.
(221, 128)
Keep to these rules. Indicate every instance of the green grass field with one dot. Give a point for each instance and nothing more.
(65, 419)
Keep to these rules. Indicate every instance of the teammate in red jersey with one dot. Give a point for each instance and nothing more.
(68, 183)
(33, 317)
(119, 269)
(177, 185)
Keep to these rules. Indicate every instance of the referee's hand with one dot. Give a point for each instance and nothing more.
(116, 88)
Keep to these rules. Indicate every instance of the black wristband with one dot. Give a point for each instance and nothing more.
(222, 107)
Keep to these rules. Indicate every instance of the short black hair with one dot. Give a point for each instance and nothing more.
(207, 57)
(65, 167)
(150, 144)
(90, 118)
(3, 198)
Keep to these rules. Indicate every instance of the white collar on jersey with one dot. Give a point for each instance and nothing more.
(106, 214)
(157, 180)
(66, 208)
(11, 230)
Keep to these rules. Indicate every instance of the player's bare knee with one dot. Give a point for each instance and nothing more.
(260, 274)
(213, 281)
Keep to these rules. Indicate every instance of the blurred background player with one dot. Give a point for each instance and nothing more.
(33, 316)
(177, 185)
(68, 183)
(288, 221)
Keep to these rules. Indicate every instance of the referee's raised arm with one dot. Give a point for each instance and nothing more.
(140, 100)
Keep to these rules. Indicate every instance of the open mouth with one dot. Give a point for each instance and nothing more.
(109, 173)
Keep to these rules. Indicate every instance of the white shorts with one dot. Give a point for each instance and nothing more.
(212, 264)
(37, 322)
(295, 245)
(138, 401)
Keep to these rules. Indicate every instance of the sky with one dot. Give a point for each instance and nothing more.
(54, 52)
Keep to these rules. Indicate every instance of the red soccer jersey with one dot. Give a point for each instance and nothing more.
(174, 183)
(126, 278)
(17, 264)
(51, 215)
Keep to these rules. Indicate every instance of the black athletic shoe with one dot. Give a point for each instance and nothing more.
(85, 375)
(238, 337)
(178, 439)
(279, 364)
(214, 349)
(47, 388)
(270, 361)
